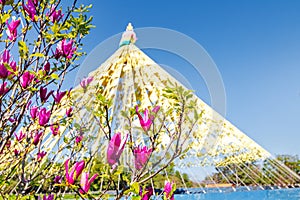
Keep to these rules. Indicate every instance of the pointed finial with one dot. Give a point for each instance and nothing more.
(129, 27)
(128, 36)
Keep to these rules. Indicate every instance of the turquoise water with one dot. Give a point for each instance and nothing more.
(278, 194)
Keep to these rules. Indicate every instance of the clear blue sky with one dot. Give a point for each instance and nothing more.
(255, 45)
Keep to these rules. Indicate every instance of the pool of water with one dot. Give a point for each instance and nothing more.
(278, 194)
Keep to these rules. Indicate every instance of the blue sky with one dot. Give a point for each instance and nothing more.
(255, 45)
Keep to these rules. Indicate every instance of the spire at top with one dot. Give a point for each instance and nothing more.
(128, 36)
(129, 27)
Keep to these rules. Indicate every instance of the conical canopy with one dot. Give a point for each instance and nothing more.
(129, 78)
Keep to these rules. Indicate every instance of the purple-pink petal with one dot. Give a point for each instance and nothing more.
(115, 148)
(44, 116)
(141, 156)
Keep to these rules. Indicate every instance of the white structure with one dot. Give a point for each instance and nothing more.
(128, 78)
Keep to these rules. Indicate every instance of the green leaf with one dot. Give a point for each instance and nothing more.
(77, 126)
(55, 28)
(4, 17)
(54, 76)
(173, 187)
(119, 170)
(66, 140)
(136, 198)
(135, 188)
(37, 55)
(23, 49)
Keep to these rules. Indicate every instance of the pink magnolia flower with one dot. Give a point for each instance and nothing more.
(65, 49)
(30, 9)
(12, 29)
(69, 112)
(148, 194)
(115, 148)
(169, 190)
(12, 120)
(4, 60)
(34, 111)
(26, 79)
(85, 183)
(76, 170)
(3, 71)
(54, 129)
(37, 137)
(3, 88)
(43, 94)
(55, 15)
(147, 120)
(57, 179)
(47, 67)
(78, 138)
(141, 156)
(86, 81)
(41, 155)
(16, 152)
(5, 57)
(44, 116)
(13, 66)
(58, 96)
(19, 136)
(49, 197)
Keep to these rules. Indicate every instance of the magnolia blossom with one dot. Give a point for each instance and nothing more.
(78, 138)
(5, 57)
(41, 155)
(85, 183)
(86, 81)
(55, 15)
(147, 193)
(115, 148)
(43, 94)
(12, 120)
(4, 62)
(13, 66)
(76, 170)
(30, 9)
(147, 119)
(44, 116)
(3, 88)
(37, 137)
(58, 96)
(57, 179)
(69, 112)
(54, 129)
(3, 71)
(26, 79)
(34, 112)
(65, 49)
(16, 152)
(19, 136)
(47, 67)
(141, 156)
(169, 190)
(12, 28)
